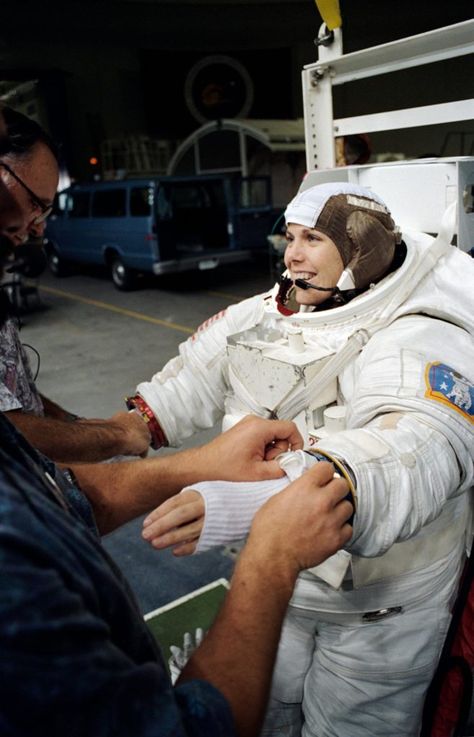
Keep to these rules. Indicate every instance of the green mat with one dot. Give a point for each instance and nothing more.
(197, 609)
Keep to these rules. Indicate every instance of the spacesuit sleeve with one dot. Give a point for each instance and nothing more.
(188, 394)
(409, 442)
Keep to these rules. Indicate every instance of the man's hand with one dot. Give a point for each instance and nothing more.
(241, 454)
(131, 432)
(298, 528)
(304, 524)
(176, 523)
(248, 450)
(136, 433)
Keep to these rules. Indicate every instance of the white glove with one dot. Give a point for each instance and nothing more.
(180, 655)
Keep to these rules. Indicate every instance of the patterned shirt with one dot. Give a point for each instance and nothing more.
(17, 387)
(77, 658)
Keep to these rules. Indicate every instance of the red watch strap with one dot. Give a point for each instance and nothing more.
(158, 438)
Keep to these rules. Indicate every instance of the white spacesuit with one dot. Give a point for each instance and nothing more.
(363, 634)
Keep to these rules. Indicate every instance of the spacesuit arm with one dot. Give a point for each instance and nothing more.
(188, 394)
(409, 441)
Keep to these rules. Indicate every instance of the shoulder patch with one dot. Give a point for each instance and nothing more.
(445, 385)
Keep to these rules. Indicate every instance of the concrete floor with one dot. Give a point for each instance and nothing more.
(96, 344)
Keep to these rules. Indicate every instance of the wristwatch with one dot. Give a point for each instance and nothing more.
(138, 404)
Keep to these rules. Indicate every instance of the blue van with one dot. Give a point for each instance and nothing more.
(160, 226)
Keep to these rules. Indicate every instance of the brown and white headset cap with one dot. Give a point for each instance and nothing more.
(357, 221)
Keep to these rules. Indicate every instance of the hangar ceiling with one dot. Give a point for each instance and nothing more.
(112, 68)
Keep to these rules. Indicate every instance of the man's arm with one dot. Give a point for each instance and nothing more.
(54, 411)
(120, 492)
(67, 441)
(298, 528)
(77, 597)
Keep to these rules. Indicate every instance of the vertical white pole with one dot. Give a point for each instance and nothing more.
(317, 104)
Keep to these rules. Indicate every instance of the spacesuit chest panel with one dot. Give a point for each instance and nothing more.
(267, 364)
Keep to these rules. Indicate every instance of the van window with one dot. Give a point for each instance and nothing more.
(141, 199)
(163, 204)
(184, 200)
(254, 193)
(109, 203)
(184, 196)
(78, 204)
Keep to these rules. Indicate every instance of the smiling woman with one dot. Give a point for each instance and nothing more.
(357, 223)
(363, 361)
(313, 257)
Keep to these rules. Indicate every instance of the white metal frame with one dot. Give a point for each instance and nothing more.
(334, 68)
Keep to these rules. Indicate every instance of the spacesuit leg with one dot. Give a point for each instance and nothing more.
(284, 715)
(370, 678)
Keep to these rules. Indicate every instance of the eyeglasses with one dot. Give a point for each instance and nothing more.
(46, 210)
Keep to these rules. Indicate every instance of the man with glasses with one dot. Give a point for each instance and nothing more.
(29, 173)
(28, 181)
(36, 204)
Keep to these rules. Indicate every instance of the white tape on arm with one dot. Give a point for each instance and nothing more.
(230, 507)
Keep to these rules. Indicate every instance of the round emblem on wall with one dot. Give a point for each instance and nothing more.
(218, 87)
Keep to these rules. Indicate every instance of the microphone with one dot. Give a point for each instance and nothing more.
(302, 284)
(345, 284)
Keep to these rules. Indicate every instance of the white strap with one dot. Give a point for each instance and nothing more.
(299, 397)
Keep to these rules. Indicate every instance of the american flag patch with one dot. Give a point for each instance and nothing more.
(445, 385)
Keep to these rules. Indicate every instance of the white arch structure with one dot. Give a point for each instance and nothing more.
(276, 135)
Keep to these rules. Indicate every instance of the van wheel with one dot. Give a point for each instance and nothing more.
(122, 276)
(56, 265)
